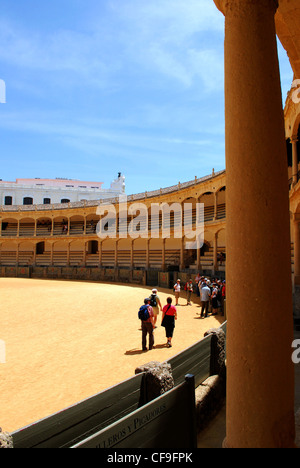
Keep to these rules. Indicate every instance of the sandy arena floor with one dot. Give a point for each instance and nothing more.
(66, 341)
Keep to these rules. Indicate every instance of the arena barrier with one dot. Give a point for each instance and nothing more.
(169, 421)
(101, 419)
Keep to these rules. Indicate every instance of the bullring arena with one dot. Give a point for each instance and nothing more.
(66, 341)
(70, 337)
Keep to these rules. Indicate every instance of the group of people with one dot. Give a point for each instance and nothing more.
(169, 315)
(211, 292)
(213, 295)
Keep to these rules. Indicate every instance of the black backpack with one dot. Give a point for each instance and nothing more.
(153, 302)
(144, 313)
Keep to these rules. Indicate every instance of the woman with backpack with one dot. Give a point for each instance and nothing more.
(168, 320)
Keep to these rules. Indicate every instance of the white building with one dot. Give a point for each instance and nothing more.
(51, 191)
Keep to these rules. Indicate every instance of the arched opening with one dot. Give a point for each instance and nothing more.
(40, 248)
(209, 205)
(9, 227)
(26, 227)
(221, 203)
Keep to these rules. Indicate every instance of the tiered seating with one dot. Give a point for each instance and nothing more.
(76, 228)
(92, 260)
(155, 258)
(124, 258)
(10, 230)
(58, 229)
(76, 258)
(25, 258)
(44, 230)
(221, 211)
(209, 213)
(139, 258)
(172, 257)
(44, 259)
(8, 258)
(108, 258)
(60, 258)
(26, 230)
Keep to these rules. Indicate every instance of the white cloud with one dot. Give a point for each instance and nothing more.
(158, 37)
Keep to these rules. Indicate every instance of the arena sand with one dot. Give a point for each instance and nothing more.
(66, 341)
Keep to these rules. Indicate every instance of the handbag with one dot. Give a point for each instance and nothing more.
(164, 322)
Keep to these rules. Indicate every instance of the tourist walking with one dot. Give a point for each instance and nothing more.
(168, 320)
(155, 304)
(146, 317)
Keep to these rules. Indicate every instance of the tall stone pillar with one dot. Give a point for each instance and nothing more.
(296, 249)
(260, 385)
(294, 141)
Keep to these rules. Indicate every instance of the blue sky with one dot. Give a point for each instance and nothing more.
(97, 87)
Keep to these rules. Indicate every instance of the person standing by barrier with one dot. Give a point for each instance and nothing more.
(189, 290)
(205, 296)
(214, 299)
(146, 317)
(168, 320)
(177, 291)
(223, 298)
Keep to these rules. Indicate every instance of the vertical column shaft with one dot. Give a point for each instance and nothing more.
(260, 385)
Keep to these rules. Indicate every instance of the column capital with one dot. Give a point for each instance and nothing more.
(294, 139)
(223, 5)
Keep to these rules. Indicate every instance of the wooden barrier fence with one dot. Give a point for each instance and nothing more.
(95, 420)
(169, 421)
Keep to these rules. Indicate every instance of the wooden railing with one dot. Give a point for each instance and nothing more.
(95, 421)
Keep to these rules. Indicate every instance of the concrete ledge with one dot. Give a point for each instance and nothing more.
(210, 397)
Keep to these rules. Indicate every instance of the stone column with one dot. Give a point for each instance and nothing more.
(215, 206)
(116, 253)
(68, 253)
(51, 253)
(163, 255)
(215, 259)
(131, 254)
(182, 247)
(17, 254)
(260, 373)
(294, 141)
(148, 253)
(100, 253)
(296, 249)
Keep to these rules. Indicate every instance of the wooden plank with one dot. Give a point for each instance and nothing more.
(194, 360)
(166, 422)
(78, 421)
